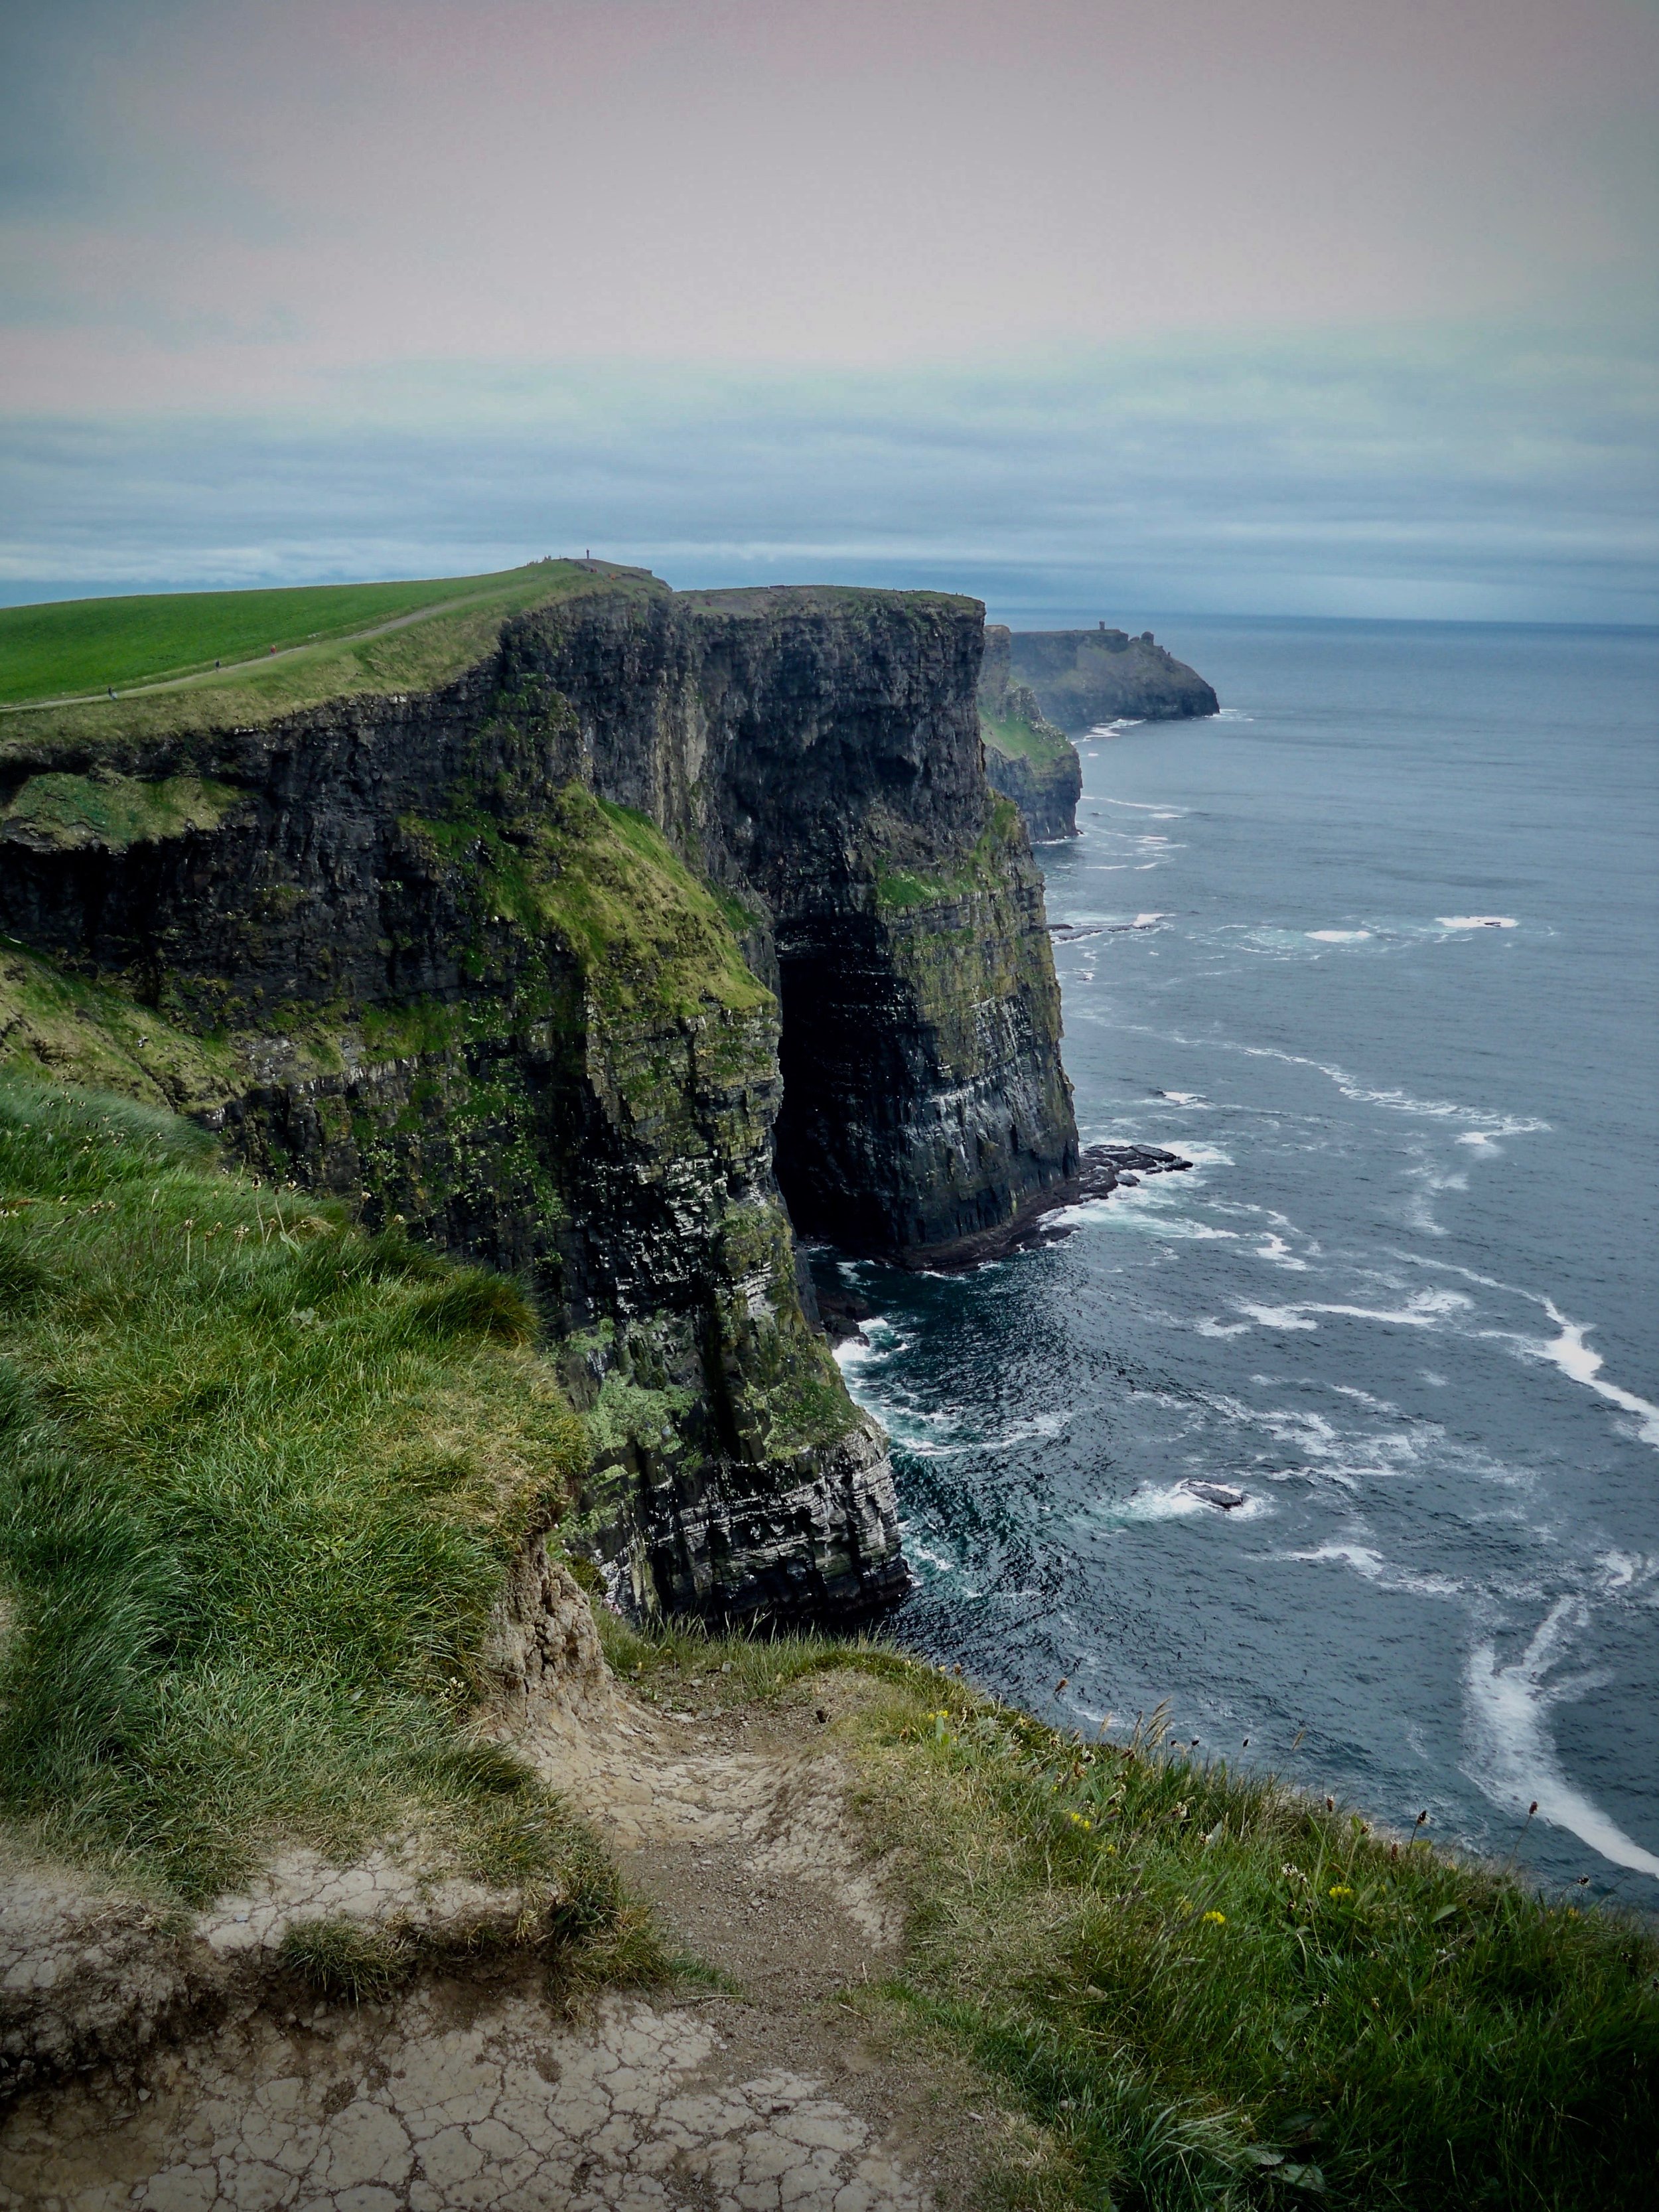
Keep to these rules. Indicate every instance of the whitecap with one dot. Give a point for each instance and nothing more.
(1574, 1356)
(1477, 922)
(1372, 1567)
(1280, 1252)
(1516, 1761)
(1351, 1086)
(1422, 1310)
(1277, 1316)
(1148, 921)
(1173, 1501)
(1337, 936)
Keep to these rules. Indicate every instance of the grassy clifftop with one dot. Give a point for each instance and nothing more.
(283, 650)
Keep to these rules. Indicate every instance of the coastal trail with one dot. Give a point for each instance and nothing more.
(758, 2079)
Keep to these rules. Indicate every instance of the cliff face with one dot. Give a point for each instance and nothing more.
(1027, 758)
(534, 961)
(1083, 678)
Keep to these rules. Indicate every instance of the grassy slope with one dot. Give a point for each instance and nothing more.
(83, 645)
(414, 657)
(259, 1475)
(1211, 1992)
(1019, 741)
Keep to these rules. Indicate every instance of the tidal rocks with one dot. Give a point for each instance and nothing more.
(1082, 678)
(1043, 1218)
(1219, 1494)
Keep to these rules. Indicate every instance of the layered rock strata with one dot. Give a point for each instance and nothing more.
(570, 963)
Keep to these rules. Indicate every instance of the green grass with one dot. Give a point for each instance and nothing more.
(980, 867)
(260, 1474)
(1207, 1990)
(324, 634)
(84, 645)
(1043, 748)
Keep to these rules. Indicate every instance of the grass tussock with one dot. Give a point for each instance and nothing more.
(1208, 1990)
(260, 1474)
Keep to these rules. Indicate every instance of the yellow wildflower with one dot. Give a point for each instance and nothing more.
(1340, 1889)
(1219, 1918)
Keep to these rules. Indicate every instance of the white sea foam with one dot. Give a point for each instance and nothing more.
(1337, 936)
(1477, 922)
(1148, 921)
(1352, 1087)
(1157, 810)
(1515, 1762)
(1277, 1316)
(1567, 1350)
(1181, 1097)
(1372, 1567)
(1422, 1310)
(1173, 1501)
(1280, 1252)
(1220, 1328)
(1574, 1356)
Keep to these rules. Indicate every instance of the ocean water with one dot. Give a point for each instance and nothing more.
(1377, 951)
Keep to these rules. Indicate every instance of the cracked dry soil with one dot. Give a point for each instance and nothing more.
(459, 2093)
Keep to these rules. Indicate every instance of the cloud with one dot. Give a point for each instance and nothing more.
(1310, 304)
(1474, 473)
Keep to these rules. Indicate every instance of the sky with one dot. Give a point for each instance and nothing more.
(1256, 306)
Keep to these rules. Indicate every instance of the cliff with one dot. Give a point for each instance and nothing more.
(1083, 678)
(666, 919)
(1027, 759)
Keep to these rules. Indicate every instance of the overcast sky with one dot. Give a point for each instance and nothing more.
(1254, 306)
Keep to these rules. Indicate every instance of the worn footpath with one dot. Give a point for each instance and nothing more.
(775, 2088)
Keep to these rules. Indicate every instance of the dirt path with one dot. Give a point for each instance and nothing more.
(775, 2094)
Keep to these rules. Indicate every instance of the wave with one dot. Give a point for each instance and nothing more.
(1173, 1501)
(1372, 1567)
(1515, 1762)
(1574, 1358)
(1422, 1310)
(1477, 922)
(1337, 936)
(1354, 1087)
(1567, 1350)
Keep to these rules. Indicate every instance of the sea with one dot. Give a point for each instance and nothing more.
(1374, 950)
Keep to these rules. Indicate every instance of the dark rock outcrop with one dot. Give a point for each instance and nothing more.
(539, 960)
(1081, 678)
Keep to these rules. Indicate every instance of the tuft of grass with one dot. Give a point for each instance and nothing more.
(343, 1958)
(1210, 1989)
(260, 1478)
